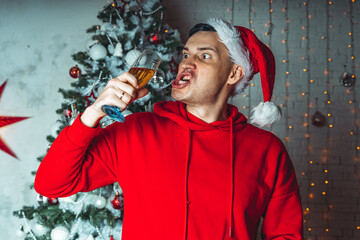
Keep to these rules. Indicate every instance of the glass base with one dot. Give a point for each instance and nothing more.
(113, 112)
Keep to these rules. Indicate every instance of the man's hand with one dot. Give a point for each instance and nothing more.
(120, 92)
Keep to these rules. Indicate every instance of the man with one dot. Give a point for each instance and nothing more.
(193, 169)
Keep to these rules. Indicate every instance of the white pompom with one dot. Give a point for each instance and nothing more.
(59, 233)
(97, 52)
(265, 114)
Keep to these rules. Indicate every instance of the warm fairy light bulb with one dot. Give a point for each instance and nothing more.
(244, 107)
(328, 102)
(303, 38)
(331, 26)
(326, 229)
(228, 10)
(349, 46)
(252, 84)
(303, 94)
(266, 33)
(329, 114)
(329, 59)
(311, 195)
(325, 92)
(311, 81)
(304, 69)
(323, 193)
(326, 170)
(283, 41)
(351, 133)
(306, 115)
(309, 16)
(251, 21)
(304, 3)
(350, 101)
(303, 27)
(326, 72)
(312, 184)
(287, 139)
(303, 173)
(309, 229)
(358, 148)
(290, 127)
(244, 95)
(287, 73)
(326, 181)
(305, 125)
(330, 125)
(352, 57)
(284, 61)
(350, 33)
(284, 9)
(322, 37)
(311, 162)
(358, 227)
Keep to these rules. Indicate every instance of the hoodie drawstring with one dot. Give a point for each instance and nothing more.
(188, 150)
(231, 213)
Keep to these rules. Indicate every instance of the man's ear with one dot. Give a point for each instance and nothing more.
(236, 74)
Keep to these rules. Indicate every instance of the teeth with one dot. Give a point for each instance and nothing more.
(186, 78)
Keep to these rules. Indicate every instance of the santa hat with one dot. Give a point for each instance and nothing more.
(248, 51)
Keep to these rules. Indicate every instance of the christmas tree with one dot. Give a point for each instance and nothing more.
(127, 28)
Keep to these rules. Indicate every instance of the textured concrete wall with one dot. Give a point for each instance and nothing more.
(38, 37)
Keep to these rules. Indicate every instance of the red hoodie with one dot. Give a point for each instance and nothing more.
(181, 177)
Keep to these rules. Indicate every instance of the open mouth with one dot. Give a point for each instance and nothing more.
(182, 80)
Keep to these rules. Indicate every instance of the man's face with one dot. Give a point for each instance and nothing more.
(203, 71)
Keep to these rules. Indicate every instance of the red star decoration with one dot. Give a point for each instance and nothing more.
(4, 121)
(90, 99)
(122, 7)
(173, 66)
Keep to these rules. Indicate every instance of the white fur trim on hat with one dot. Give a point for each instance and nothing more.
(239, 54)
(265, 114)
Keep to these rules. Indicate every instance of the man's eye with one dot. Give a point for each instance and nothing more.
(206, 56)
(185, 55)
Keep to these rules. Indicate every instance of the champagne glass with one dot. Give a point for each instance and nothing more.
(143, 69)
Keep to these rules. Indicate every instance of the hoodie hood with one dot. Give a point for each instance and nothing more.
(176, 111)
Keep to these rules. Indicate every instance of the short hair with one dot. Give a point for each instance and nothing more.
(201, 27)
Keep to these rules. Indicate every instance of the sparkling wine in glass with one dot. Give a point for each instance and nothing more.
(143, 69)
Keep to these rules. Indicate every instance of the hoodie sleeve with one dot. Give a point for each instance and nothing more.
(283, 218)
(79, 160)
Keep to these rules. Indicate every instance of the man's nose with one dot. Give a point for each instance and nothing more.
(188, 63)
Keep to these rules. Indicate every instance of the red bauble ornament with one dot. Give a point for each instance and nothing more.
(75, 72)
(118, 201)
(155, 38)
(67, 113)
(52, 201)
(111, 237)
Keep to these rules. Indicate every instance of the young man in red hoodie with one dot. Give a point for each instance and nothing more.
(194, 168)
